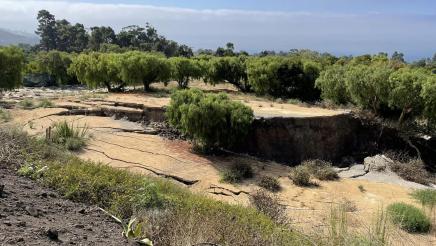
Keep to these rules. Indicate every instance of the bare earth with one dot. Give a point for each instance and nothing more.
(308, 208)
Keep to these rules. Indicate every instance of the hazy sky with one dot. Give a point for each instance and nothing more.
(336, 26)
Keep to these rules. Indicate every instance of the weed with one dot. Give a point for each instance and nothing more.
(321, 170)
(408, 217)
(27, 104)
(269, 183)
(426, 197)
(45, 103)
(5, 116)
(269, 205)
(300, 176)
(361, 188)
(70, 136)
(237, 172)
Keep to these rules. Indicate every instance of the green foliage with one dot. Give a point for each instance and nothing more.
(97, 70)
(11, 67)
(210, 120)
(300, 176)
(428, 94)
(283, 77)
(5, 116)
(409, 217)
(232, 70)
(369, 86)
(332, 84)
(27, 103)
(144, 68)
(185, 69)
(405, 89)
(321, 170)
(237, 172)
(72, 137)
(55, 64)
(45, 103)
(269, 183)
(426, 197)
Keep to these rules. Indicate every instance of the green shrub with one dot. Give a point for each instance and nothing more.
(331, 82)
(269, 183)
(300, 176)
(27, 104)
(426, 197)
(409, 217)
(321, 170)
(5, 116)
(70, 136)
(237, 172)
(45, 103)
(12, 63)
(211, 120)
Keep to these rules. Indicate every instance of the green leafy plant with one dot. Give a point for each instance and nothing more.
(45, 103)
(212, 121)
(269, 183)
(426, 197)
(237, 172)
(408, 217)
(5, 116)
(72, 137)
(27, 103)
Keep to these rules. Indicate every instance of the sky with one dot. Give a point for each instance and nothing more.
(341, 27)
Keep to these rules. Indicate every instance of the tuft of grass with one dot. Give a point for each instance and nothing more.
(45, 103)
(237, 172)
(27, 104)
(321, 170)
(72, 137)
(300, 176)
(426, 197)
(361, 188)
(409, 218)
(269, 183)
(5, 116)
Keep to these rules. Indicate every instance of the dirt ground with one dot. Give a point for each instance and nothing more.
(33, 215)
(120, 143)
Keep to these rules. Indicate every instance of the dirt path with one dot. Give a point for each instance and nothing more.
(33, 215)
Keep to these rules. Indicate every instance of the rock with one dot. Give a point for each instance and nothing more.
(353, 172)
(21, 224)
(32, 211)
(377, 163)
(8, 223)
(52, 234)
(80, 226)
(2, 188)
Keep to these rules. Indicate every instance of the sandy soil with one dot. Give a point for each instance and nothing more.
(308, 208)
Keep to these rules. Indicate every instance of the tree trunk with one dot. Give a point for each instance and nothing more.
(146, 87)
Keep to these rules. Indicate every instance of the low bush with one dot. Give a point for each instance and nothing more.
(237, 172)
(5, 116)
(300, 176)
(27, 104)
(321, 170)
(412, 170)
(409, 217)
(70, 136)
(269, 205)
(426, 197)
(269, 183)
(212, 121)
(45, 103)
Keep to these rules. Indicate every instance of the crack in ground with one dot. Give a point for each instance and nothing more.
(236, 193)
(142, 166)
(140, 150)
(359, 175)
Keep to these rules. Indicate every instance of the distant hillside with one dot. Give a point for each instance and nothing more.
(10, 37)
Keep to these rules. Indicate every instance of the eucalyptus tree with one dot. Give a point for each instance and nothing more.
(11, 67)
(53, 63)
(184, 69)
(232, 70)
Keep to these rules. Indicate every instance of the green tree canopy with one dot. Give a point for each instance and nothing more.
(11, 67)
(144, 68)
(232, 70)
(331, 82)
(53, 63)
(184, 69)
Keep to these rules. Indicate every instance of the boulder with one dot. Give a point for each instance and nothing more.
(377, 163)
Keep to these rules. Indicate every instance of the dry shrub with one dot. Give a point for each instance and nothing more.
(412, 170)
(321, 170)
(269, 205)
(237, 172)
(300, 176)
(269, 183)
